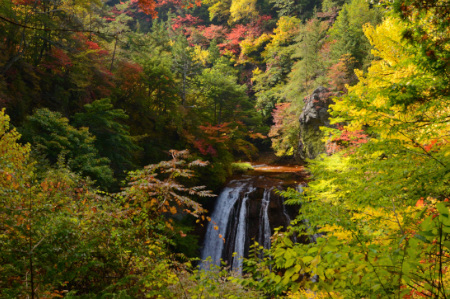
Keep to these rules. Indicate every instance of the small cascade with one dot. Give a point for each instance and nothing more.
(241, 233)
(247, 210)
(264, 228)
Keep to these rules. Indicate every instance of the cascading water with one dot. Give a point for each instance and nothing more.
(264, 229)
(219, 219)
(241, 232)
(247, 210)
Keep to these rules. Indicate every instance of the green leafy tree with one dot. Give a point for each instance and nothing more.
(112, 137)
(268, 83)
(214, 51)
(298, 8)
(184, 65)
(221, 95)
(54, 138)
(309, 66)
(348, 34)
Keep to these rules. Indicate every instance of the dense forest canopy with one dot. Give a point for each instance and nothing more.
(117, 117)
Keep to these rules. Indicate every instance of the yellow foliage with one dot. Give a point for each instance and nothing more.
(287, 28)
(200, 55)
(218, 9)
(14, 167)
(243, 10)
(251, 46)
(371, 105)
(308, 294)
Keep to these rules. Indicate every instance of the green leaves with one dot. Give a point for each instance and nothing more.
(112, 137)
(55, 139)
(381, 206)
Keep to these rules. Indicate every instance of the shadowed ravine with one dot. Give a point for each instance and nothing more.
(248, 209)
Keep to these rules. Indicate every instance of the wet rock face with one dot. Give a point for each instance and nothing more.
(314, 115)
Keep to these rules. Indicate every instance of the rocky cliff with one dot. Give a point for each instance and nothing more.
(314, 115)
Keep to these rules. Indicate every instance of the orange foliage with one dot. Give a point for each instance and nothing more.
(147, 6)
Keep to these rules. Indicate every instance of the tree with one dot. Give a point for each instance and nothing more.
(222, 95)
(14, 165)
(297, 8)
(348, 34)
(218, 9)
(54, 138)
(306, 71)
(112, 138)
(184, 65)
(242, 10)
(268, 83)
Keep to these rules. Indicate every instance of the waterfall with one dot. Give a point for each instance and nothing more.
(264, 228)
(219, 220)
(241, 233)
(247, 210)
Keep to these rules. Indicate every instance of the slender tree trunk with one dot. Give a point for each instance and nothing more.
(114, 53)
(183, 95)
(215, 112)
(30, 243)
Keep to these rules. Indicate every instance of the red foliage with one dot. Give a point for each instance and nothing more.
(61, 57)
(92, 45)
(217, 32)
(130, 75)
(58, 61)
(420, 203)
(241, 32)
(187, 21)
(342, 73)
(146, 6)
(204, 148)
(415, 294)
(429, 146)
(260, 23)
(347, 139)
(179, 3)
(278, 114)
(176, 3)
(217, 133)
(23, 2)
(213, 136)
(236, 35)
(83, 44)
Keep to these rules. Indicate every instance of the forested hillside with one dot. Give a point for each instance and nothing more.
(118, 117)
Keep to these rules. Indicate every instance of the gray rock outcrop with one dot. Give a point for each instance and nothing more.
(314, 115)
